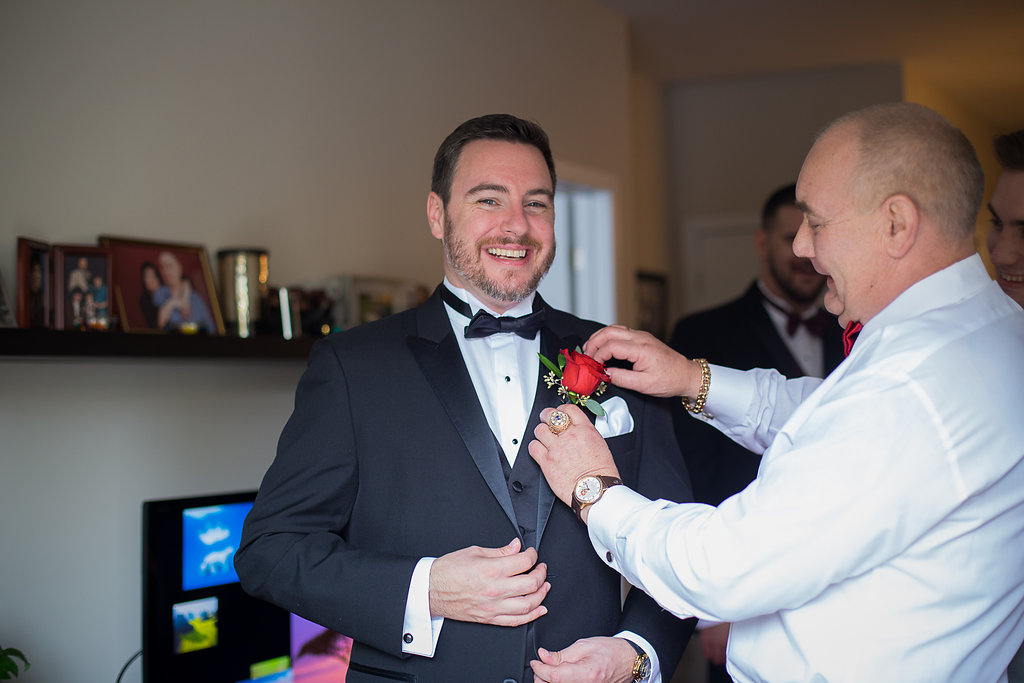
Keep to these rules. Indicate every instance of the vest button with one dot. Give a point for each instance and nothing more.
(517, 486)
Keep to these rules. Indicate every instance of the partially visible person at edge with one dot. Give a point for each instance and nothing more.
(883, 538)
(776, 323)
(1006, 236)
(1006, 251)
(402, 509)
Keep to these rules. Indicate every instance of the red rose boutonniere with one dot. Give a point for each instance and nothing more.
(578, 377)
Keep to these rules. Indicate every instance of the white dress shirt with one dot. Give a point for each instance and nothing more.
(504, 369)
(883, 538)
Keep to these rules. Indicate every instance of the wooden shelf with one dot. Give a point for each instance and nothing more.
(43, 342)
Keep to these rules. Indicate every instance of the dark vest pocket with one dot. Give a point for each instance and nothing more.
(382, 674)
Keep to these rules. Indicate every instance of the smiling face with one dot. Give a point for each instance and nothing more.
(1006, 236)
(840, 236)
(498, 229)
(784, 273)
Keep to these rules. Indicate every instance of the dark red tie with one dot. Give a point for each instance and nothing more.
(850, 336)
(815, 324)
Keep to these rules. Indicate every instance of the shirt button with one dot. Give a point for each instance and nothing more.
(608, 556)
(517, 486)
(507, 378)
(515, 442)
(407, 638)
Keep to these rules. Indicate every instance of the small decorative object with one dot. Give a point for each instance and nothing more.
(243, 285)
(652, 304)
(34, 283)
(359, 299)
(163, 287)
(81, 291)
(578, 377)
(9, 667)
(6, 310)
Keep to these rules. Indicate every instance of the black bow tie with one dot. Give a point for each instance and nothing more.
(815, 324)
(483, 324)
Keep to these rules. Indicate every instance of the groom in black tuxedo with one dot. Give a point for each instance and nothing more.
(402, 508)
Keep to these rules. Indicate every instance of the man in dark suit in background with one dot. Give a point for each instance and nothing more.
(777, 323)
(399, 480)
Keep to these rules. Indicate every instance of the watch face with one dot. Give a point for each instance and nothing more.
(645, 670)
(588, 489)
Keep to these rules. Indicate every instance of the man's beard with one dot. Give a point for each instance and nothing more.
(793, 293)
(465, 259)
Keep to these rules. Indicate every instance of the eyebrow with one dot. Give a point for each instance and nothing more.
(804, 208)
(494, 187)
(1016, 222)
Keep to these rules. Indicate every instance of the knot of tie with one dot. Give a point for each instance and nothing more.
(815, 324)
(483, 324)
(850, 336)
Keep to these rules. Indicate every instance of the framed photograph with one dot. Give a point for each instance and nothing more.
(35, 283)
(6, 306)
(163, 287)
(652, 304)
(81, 288)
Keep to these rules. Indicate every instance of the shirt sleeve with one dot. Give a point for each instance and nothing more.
(805, 523)
(420, 631)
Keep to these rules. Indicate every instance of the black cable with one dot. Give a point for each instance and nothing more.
(127, 664)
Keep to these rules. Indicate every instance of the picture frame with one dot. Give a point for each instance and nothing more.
(7, 306)
(81, 288)
(163, 287)
(652, 303)
(34, 283)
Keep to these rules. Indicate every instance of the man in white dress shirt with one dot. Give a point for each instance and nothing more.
(883, 538)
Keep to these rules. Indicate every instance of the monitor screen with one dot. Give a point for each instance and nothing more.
(198, 625)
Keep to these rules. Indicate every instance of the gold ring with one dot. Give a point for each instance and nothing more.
(558, 422)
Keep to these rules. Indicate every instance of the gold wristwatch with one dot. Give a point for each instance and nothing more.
(589, 489)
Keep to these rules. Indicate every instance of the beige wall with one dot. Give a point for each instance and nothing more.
(918, 88)
(305, 127)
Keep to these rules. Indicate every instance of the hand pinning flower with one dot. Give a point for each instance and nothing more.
(578, 377)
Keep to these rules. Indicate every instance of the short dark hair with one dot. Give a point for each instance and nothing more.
(784, 196)
(490, 127)
(1010, 150)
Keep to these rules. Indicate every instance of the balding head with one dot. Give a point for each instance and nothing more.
(906, 148)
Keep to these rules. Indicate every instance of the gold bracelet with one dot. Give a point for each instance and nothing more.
(705, 385)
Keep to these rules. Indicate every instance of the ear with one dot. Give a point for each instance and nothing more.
(903, 225)
(435, 215)
(761, 243)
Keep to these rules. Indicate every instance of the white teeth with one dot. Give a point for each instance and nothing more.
(1012, 278)
(507, 253)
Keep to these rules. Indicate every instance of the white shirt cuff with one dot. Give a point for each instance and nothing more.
(420, 631)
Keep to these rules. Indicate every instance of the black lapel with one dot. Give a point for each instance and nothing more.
(440, 359)
(553, 338)
(767, 335)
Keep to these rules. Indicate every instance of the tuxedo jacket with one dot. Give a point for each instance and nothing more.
(388, 458)
(738, 334)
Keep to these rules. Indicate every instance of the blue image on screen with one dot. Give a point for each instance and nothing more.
(210, 537)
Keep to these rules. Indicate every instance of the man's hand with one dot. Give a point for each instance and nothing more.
(566, 457)
(599, 659)
(657, 369)
(713, 641)
(499, 586)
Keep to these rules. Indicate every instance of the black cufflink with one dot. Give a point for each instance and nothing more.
(407, 638)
